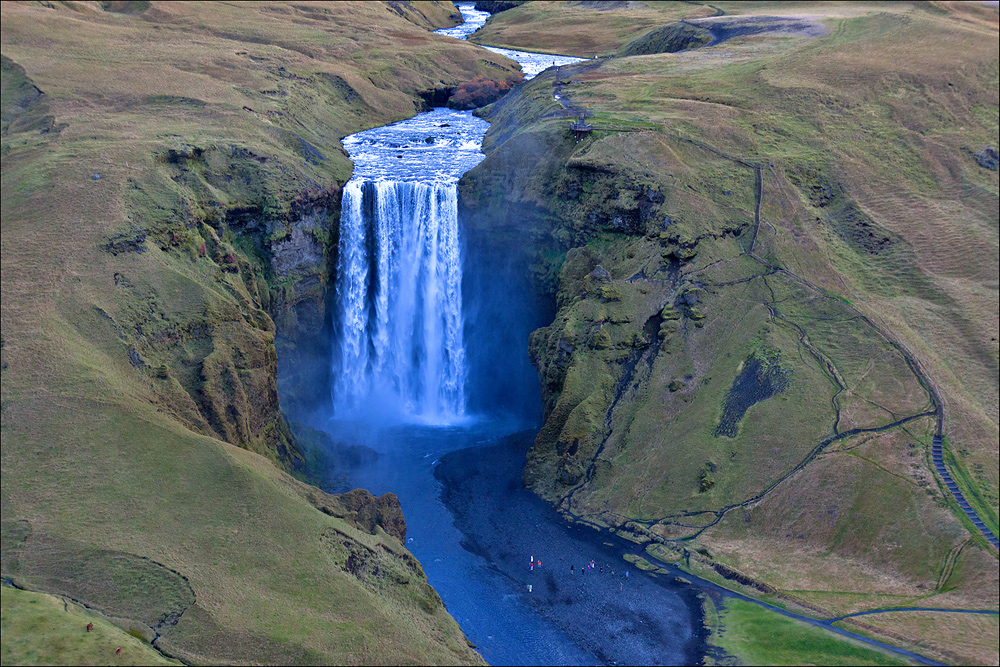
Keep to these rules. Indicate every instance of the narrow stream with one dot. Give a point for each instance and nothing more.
(417, 324)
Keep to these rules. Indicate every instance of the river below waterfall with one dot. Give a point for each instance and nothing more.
(423, 323)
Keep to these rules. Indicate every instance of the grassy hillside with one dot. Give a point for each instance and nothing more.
(583, 29)
(170, 184)
(762, 400)
(761, 637)
(40, 629)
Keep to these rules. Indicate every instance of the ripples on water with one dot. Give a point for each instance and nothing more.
(434, 147)
(474, 20)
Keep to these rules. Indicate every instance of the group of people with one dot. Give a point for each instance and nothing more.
(591, 566)
(584, 569)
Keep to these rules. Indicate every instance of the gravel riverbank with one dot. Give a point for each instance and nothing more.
(636, 618)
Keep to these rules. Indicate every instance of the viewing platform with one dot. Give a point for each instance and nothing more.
(581, 128)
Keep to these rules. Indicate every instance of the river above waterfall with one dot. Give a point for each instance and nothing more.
(424, 324)
(531, 63)
(437, 146)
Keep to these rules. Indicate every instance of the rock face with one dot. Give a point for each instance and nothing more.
(609, 235)
(667, 39)
(303, 261)
(366, 511)
(988, 158)
(218, 370)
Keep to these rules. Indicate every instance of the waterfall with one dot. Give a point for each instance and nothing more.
(399, 292)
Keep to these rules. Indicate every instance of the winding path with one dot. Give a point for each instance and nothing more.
(870, 612)
(937, 453)
(911, 360)
(937, 448)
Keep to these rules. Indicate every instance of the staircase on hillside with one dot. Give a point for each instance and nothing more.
(937, 454)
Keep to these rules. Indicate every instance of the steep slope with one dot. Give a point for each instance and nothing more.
(170, 190)
(774, 262)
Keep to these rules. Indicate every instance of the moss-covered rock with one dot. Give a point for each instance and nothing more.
(667, 39)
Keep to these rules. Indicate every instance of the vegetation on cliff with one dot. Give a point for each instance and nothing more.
(170, 171)
(761, 398)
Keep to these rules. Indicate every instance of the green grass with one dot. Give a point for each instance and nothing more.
(758, 636)
(846, 149)
(972, 494)
(40, 629)
(131, 476)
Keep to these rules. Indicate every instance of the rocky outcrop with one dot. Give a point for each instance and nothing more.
(987, 158)
(671, 38)
(496, 6)
(359, 507)
(369, 512)
(556, 198)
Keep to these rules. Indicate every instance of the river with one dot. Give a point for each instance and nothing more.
(433, 377)
(451, 408)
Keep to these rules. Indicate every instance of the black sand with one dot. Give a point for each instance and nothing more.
(639, 619)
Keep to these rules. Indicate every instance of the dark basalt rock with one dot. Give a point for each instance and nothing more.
(121, 243)
(600, 273)
(497, 6)
(365, 511)
(436, 97)
(988, 158)
(757, 382)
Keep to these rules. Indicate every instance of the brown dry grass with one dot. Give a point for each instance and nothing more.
(887, 107)
(940, 634)
(585, 31)
(96, 451)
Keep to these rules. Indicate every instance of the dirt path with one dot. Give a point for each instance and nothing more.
(911, 361)
(922, 377)
(984, 612)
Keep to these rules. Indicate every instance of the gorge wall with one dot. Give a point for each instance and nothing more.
(704, 390)
(171, 198)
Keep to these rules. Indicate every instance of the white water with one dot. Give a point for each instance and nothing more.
(400, 357)
(400, 354)
(401, 301)
(531, 63)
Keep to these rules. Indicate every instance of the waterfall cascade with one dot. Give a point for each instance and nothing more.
(400, 301)
(399, 352)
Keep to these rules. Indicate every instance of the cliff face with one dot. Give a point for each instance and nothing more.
(303, 263)
(217, 366)
(707, 387)
(170, 204)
